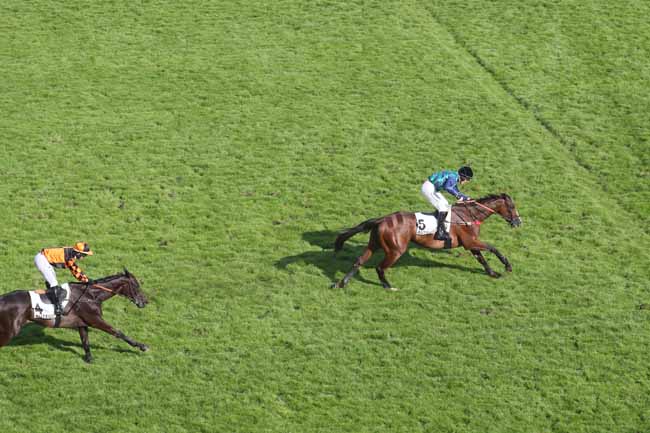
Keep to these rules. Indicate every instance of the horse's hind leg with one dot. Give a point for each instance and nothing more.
(363, 258)
(11, 322)
(389, 260)
(394, 245)
(83, 333)
(6, 335)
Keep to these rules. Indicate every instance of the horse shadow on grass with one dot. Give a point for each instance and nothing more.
(331, 263)
(32, 334)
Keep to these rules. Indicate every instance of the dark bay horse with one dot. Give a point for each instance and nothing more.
(393, 232)
(84, 309)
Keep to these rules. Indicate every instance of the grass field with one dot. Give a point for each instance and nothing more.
(216, 149)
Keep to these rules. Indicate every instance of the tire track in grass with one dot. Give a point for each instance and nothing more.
(522, 102)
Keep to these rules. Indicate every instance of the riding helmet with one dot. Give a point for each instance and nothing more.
(465, 172)
(83, 248)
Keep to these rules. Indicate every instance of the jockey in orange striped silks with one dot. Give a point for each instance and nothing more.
(61, 257)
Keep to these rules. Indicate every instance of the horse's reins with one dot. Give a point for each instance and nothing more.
(476, 220)
(99, 286)
(106, 289)
(483, 206)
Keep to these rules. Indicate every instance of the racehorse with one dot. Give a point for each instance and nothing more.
(84, 309)
(393, 232)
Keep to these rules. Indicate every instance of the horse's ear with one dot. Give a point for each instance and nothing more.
(126, 271)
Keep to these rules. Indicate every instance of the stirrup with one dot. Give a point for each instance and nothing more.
(441, 235)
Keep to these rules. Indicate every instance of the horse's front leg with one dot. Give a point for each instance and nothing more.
(502, 258)
(477, 246)
(83, 333)
(99, 323)
(493, 250)
(486, 265)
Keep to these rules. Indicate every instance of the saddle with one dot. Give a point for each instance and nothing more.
(42, 306)
(427, 222)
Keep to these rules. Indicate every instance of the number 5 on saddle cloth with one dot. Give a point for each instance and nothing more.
(427, 223)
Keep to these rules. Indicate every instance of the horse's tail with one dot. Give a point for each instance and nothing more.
(346, 234)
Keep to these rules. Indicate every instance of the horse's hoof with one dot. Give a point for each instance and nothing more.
(392, 289)
(144, 348)
(88, 359)
(508, 268)
(495, 275)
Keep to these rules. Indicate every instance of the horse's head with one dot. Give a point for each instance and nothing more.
(499, 204)
(131, 290)
(505, 206)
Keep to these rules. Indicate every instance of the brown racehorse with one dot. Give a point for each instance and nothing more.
(393, 232)
(84, 309)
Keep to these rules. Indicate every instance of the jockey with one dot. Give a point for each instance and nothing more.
(445, 180)
(62, 257)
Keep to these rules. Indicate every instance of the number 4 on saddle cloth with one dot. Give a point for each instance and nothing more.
(427, 223)
(42, 306)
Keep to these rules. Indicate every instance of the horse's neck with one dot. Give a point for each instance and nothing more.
(472, 212)
(111, 282)
(98, 289)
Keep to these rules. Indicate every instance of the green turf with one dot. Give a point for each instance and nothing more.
(216, 148)
(581, 69)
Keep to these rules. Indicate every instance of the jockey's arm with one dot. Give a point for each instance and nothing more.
(452, 189)
(76, 271)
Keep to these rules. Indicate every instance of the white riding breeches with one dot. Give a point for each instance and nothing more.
(434, 197)
(46, 269)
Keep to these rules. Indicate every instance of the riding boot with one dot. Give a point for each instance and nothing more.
(441, 233)
(54, 294)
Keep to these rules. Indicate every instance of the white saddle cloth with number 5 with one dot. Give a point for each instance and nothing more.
(427, 223)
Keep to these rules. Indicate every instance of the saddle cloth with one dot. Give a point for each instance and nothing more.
(427, 223)
(43, 308)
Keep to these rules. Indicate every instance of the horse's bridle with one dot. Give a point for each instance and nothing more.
(510, 220)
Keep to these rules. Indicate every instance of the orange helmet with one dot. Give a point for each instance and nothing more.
(83, 248)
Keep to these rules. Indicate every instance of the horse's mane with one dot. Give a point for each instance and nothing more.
(491, 197)
(483, 200)
(107, 279)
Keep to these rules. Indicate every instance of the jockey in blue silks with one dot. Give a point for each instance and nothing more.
(445, 180)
